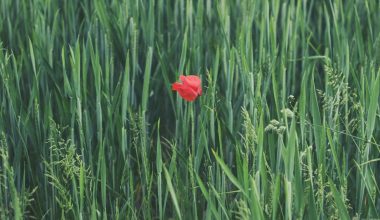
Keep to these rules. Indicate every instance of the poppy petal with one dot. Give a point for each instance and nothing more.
(189, 88)
(187, 93)
(176, 86)
(192, 81)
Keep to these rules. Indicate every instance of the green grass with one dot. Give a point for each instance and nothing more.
(287, 126)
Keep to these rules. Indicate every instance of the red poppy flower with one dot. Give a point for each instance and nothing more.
(190, 87)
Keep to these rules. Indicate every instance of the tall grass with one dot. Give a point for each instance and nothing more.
(287, 126)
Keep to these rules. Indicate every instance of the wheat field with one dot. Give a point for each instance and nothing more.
(287, 126)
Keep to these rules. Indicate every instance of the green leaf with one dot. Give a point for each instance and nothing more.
(172, 192)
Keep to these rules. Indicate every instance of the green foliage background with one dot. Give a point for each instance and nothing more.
(287, 127)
